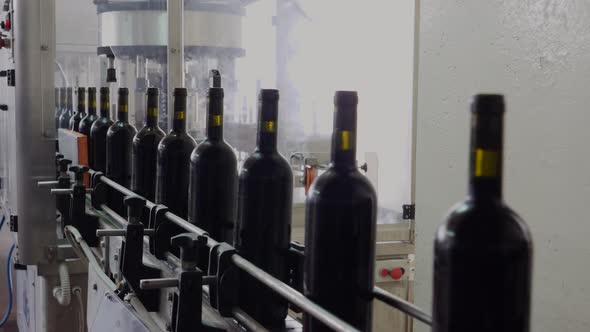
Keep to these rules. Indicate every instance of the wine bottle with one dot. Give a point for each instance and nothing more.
(66, 115)
(340, 223)
(263, 230)
(145, 150)
(98, 133)
(119, 140)
(81, 113)
(483, 250)
(213, 177)
(174, 153)
(87, 121)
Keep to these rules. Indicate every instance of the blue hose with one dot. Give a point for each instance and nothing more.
(9, 283)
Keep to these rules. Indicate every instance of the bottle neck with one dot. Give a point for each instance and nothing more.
(343, 152)
(215, 118)
(91, 104)
(123, 112)
(486, 156)
(151, 118)
(81, 105)
(267, 126)
(179, 121)
(105, 107)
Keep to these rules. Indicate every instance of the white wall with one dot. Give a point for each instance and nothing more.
(537, 52)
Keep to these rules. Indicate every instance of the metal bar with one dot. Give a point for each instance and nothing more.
(293, 296)
(402, 305)
(120, 232)
(175, 10)
(190, 228)
(172, 260)
(123, 190)
(114, 215)
(160, 283)
(249, 323)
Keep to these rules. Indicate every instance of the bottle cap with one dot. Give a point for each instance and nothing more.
(153, 91)
(344, 98)
(123, 91)
(216, 93)
(487, 104)
(180, 92)
(269, 95)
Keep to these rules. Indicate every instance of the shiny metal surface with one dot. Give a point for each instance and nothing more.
(158, 283)
(402, 305)
(150, 28)
(34, 26)
(176, 43)
(292, 295)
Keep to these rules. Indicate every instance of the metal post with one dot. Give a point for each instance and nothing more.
(34, 54)
(175, 51)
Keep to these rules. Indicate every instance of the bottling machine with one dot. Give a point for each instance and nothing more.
(102, 271)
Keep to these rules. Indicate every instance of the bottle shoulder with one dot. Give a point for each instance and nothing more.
(121, 126)
(474, 223)
(266, 163)
(101, 123)
(151, 132)
(175, 140)
(349, 184)
(214, 150)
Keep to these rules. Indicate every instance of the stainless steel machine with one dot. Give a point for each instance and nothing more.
(65, 283)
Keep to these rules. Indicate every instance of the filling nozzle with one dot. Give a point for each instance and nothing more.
(111, 71)
(215, 78)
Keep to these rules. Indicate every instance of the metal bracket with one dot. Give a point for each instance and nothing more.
(10, 75)
(409, 211)
(14, 223)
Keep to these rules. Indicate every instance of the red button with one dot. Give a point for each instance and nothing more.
(384, 272)
(397, 273)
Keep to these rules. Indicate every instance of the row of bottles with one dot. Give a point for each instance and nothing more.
(482, 252)
(202, 182)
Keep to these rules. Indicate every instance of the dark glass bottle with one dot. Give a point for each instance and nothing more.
(213, 177)
(263, 230)
(66, 115)
(340, 222)
(174, 153)
(87, 121)
(119, 140)
(98, 133)
(145, 150)
(119, 146)
(81, 113)
(483, 251)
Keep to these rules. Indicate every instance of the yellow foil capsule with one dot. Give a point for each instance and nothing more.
(179, 115)
(486, 163)
(123, 108)
(153, 112)
(215, 120)
(345, 140)
(94, 104)
(269, 127)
